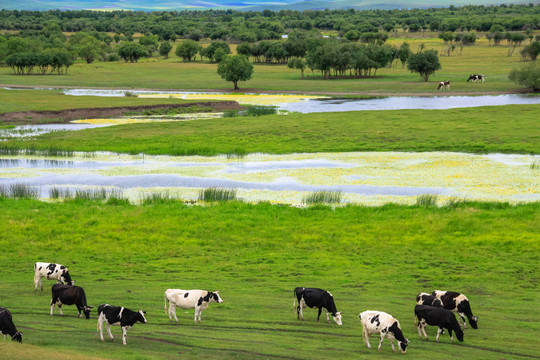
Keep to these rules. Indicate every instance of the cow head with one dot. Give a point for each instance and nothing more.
(141, 316)
(17, 337)
(87, 311)
(66, 279)
(474, 322)
(403, 345)
(337, 318)
(214, 296)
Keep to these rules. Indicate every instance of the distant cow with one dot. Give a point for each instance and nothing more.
(189, 299)
(436, 316)
(378, 322)
(427, 299)
(70, 295)
(458, 303)
(316, 298)
(115, 315)
(52, 272)
(7, 327)
(444, 85)
(476, 77)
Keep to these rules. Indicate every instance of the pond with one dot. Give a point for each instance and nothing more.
(362, 178)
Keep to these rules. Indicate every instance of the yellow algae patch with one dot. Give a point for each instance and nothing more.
(148, 119)
(243, 99)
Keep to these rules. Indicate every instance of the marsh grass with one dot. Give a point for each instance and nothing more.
(214, 194)
(25, 148)
(158, 198)
(323, 197)
(454, 202)
(535, 165)
(60, 193)
(427, 200)
(19, 191)
(251, 111)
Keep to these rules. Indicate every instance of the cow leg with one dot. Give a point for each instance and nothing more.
(380, 342)
(392, 343)
(439, 332)
(451, 335)
(124, 335)
(318, 316)
(172, 312)
(301, 306)
(60, 309)
(109, 331)
(327, 317)
(463, 320)
(197, 309)
(365, 335)
(424, 325)
(100, 327)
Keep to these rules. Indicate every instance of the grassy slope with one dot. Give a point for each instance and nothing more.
(512, 128)
(370, 258)
(174, 74)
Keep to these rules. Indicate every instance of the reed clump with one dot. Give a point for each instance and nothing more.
(217, 194)
(19, 191)
(323, 197)
(427, 200)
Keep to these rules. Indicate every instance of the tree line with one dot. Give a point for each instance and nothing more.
(253, 26)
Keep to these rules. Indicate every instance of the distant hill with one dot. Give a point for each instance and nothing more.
(255, 5)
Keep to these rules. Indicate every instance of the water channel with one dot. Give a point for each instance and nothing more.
(366, 178)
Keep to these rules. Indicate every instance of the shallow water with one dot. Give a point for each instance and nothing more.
(366, 178)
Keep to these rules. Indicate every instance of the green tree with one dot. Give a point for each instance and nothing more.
(528, 76)
(235, 68)
(297, 63)
(150, 43)
(89, 48)
(244, 49)
(164, 49)
(131, 52)
(425, 63)
(187, 50)
(531, 51)
(404, 53)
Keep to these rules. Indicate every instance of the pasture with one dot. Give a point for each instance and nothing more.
(172, 73)
(369, 258)
(508, 129)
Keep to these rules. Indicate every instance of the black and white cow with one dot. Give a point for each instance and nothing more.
(427, 299)
(436, 316)
(189, 299)
(315, 298)
(444, 85)
(115, 315)
(52, 272)
(70, 295)
(476, 77)
(7, 327)
(378, 322)
(457, 303)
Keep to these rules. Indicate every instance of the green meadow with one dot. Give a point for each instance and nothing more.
(509, 129)
(255, 255)
(172, 73)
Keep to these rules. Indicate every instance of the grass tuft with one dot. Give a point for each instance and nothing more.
(323, 197)
(217, 194)
(19, 191)
(158, 198)
(427, 200)
(535, 165)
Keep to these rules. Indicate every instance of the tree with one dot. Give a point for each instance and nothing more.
(235, 68)
(187, 49)
(404, 53)
(424, 62)
(131, 52)
(528, 75)
(88, 48)
(244, 49)
(297, 63)
(150, 43)
(531, 51)
(164, 49)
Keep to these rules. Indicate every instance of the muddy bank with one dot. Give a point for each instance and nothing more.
(65, 116)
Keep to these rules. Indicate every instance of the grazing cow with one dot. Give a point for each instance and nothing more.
(7, 327)
(51, 271)
(444, 84)
(115, 315)
(427, 299)
(378, 322)
(189, 299)
(437, 316)
(457, 303)
(476, 77)
(69, 295)
(315, 298)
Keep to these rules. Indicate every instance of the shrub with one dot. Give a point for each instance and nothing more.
(528, 76)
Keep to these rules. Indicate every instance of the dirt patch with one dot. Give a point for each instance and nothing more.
(65, 116)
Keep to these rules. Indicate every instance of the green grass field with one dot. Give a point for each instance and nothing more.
(174, 74)
(509, 129)
(369, 258)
